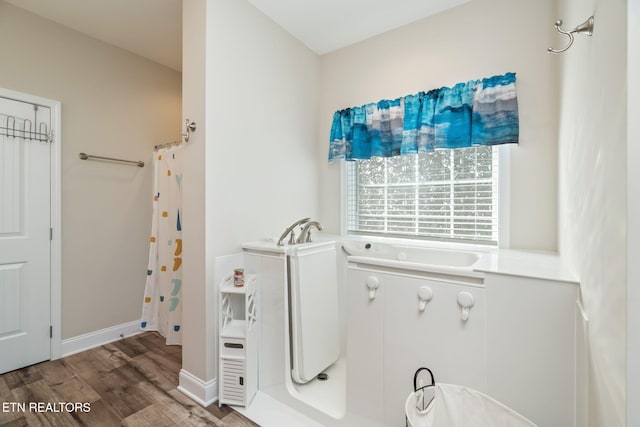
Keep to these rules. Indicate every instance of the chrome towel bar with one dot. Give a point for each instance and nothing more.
(85, 156)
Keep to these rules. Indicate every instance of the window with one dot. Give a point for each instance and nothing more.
(444, 194)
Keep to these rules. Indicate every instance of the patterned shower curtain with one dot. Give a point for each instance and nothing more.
(162, 306)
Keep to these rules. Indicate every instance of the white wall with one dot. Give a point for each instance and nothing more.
(593, 191)
(633, 212)
(479, 39)
(114, 104)
(248, 155)
(252, 89)
(198, 355)
(262, 110)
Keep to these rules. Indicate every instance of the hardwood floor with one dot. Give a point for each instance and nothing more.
(131, 382)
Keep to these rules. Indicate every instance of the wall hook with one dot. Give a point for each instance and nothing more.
(465, 301)
(190, 127)
(425, 294)
(373, 283)
(585, 28)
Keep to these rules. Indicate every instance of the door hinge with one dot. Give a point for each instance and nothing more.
(50, 331)
(51, 234)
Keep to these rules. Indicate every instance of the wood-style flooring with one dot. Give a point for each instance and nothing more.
(131, 382)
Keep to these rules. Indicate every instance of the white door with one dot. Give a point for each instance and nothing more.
(25, 246)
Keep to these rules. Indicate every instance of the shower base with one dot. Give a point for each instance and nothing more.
(283, 404)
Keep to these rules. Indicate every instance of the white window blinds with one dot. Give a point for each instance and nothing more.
(445, 194)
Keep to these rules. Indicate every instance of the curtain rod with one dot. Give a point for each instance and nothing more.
(168, 144)
(190, 127)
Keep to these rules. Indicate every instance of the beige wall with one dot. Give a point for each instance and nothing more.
(593, 192)
(479, 39)
(114, 104)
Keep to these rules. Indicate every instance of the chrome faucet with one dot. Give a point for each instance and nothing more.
(305, 235)
(292, 239)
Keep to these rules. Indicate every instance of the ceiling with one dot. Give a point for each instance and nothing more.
(327, 25)
(153, 28)
(149, 28)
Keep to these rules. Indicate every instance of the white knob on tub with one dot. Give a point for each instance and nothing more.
(424, 296)
(373, 283)
(465, 301)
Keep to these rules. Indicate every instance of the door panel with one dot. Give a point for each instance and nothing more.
(25, 275)
(10, 279)
(436, 338)
(11, 182)
(365, 349)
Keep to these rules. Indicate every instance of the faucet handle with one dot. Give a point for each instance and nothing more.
(290, 229)
(306, 231)
(292, 239)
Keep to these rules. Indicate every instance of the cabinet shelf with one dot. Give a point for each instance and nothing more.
(234, 329)
(228, 287)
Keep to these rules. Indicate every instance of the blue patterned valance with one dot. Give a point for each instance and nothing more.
(479, 112)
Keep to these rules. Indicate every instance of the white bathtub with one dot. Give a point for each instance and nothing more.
(412, 257)
(383, 340)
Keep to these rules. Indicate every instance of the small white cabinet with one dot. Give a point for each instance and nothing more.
(238, 362)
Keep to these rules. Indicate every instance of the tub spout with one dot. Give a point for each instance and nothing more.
(290, 230)
(305, 235)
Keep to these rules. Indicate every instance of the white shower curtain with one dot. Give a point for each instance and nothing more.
(162, 306)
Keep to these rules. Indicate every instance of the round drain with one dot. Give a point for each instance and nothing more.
(323, 376)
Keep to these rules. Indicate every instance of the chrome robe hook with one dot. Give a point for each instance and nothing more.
(190, 128)
(585, 28)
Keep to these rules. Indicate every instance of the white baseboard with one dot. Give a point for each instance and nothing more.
(203, 393)
(97, 338)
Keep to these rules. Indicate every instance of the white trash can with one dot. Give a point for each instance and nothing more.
(448, 405)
